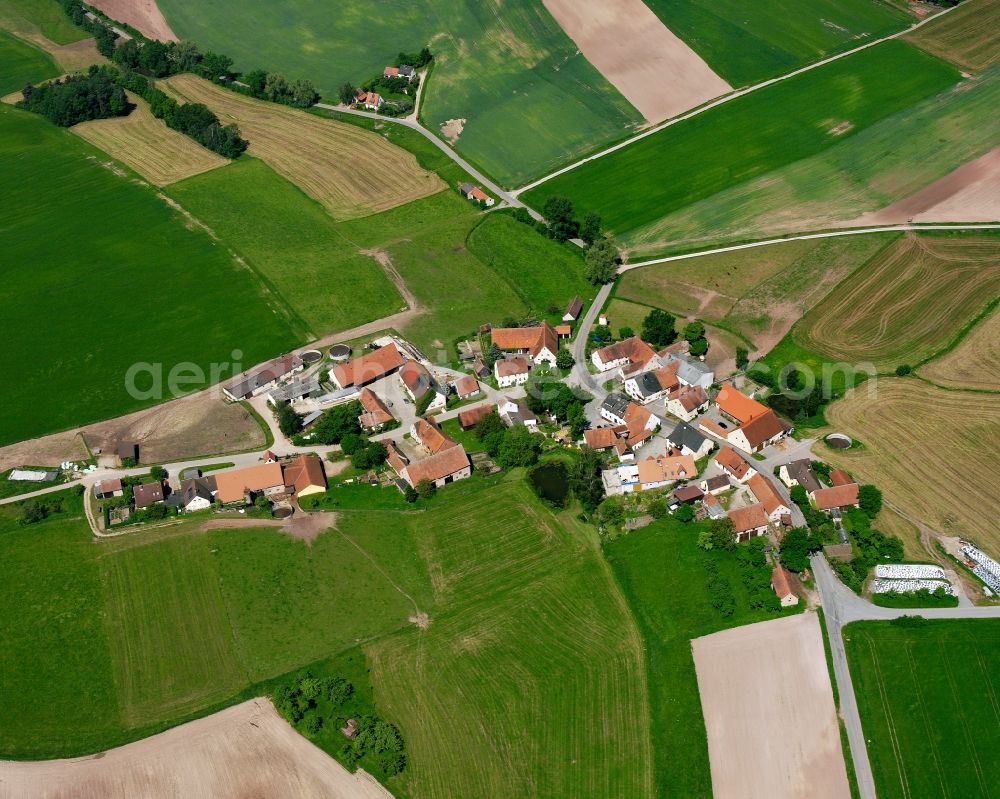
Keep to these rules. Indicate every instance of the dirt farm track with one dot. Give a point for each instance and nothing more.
(244, 751)
(766, 696)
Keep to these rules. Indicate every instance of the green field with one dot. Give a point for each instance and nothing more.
(749, 43)
(531, 101)
(116, 278)
(928, 697)
(45, 15)
(749, 136)
(109, 642)
(660, 571)
(292, 243)
(884, 163)
(21, 63)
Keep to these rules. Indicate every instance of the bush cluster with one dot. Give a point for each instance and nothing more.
(78, 98)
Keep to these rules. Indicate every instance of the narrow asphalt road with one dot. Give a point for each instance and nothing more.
(723, 100)
(841, 606)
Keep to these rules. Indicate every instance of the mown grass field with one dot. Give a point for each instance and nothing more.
(759, 293)
(906, 303)
(22, 64)
(661, 574)
(528, 681)
(878, 166)
(749, 136)
(928, 698)
(289, 239)
(746, 44)
(530, 100)
(920, 442)
(974, 363)
(117, 278)
(46, 16)
(350, 172)
(965, 36)
(160, 154)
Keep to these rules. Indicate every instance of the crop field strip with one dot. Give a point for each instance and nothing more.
(160, 154)
(862, 173)
(69, 208)
(21, 63)
(966, 36)
(906, 303)
(527, 625)
(931, 731)
(349, 171)
(783, 123)
(529, 100)
(919, 443)
(974, 363)
(44, 16)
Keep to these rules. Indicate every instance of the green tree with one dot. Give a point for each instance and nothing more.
(742, 358)
(799, 496)
(519, 447)
(158, 473)
(256, 79)
(289, 422)
(559, 213)
(612, 512)
(347, 93)
(685, 514)
(585, 479)
(185, 56)
(303, 93)
(590, 230)
(337, 422)
(601, 262)
(564, 359)
(489, 425)
(723, 533)
(657, 508)
(903, 370)
(625, 332)
(870, 500)
(262, 503)
(658, 328)
(410, 494)
(426, 489)
(796, 547)
(276, 86)
(33, 512)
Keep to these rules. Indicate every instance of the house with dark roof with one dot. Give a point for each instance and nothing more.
(573, 310)
(649, 386)
(417, 382)
(194, 494)
(687, 402)
(128, 450)
(688, 494)
(516, 413)
(299, 388)
(691, 371)
(613, 408)
(262, 378)
(799, 473)
(147, 494)
(689, 441)
(716, 485)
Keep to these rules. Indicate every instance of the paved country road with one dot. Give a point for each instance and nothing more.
(842, 606)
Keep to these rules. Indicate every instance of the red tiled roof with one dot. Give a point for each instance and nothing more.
(739, 406)
(762, 428)
(431, 436)
(467, 419)
(564, 330)
(635, 349)
(478, 194)
(147, 494)
(840, 478)
(368, 367)
(466, 386)
(304, 472)
(749, 518)
(667, 467)
(732, 463)
(439, 466)
(690, 397)
(532, 339)
(840, 496)
(780, 582)
(766, 494)
(376, 413)
(508, 367)
(231, 486)
(391, 72)
(600, 438)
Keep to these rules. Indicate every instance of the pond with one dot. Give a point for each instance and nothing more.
(551, 482)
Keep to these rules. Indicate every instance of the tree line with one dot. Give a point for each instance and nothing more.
(78, 98)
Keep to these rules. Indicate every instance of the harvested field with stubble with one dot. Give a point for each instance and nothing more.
(349, 171)
(906, 303)
(966, 36)
(160, 154)
(931, 450)
(746, 677)
(245, 750)
(529, 679)
(974, 363)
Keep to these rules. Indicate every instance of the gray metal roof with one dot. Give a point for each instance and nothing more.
(297, 389)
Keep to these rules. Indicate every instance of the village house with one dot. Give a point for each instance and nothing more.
(799, 473)
(649, 386)
(610, 438)
(839, 477)
(262, 378)
(516, 413)
(781, 582)
(734, 465)
(268, 457)
(749, 522)
(573, 310)
(628, 356)
(716, 485)
(375, 414)
(467, 387)
(106, 489)
(305, 476)
(713, 508)
(479, 369)
(417, 382)
(476, 194)
(147, 494)
(835, 498)
(294, 391)
(655, 472)
(639, 422)
(242, 485)
(447, 466)
(689, 441)
(468, 419)
(686, 495)
(687, 402)
(767, 495)
(738, 406)
(194, 494)
(758, 427)
(372, 101)
(367, 368)
(692, 372)
(511, 371)
(402, 71)
(564, 331)
(540, 344)
(430, 437)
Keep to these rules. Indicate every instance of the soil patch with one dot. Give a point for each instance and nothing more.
(629, 45)
(143, 15)
(766, 697)
(452, 129)
(243, 751)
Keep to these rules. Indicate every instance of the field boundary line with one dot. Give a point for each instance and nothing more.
(725, 99)
(380, 570)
